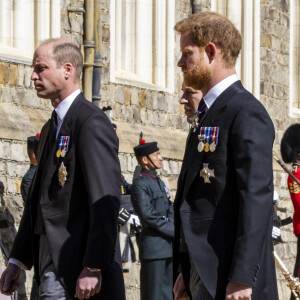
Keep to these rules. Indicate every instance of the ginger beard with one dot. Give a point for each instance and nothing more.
(198, 76)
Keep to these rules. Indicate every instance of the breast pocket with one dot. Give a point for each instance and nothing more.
(158, 204)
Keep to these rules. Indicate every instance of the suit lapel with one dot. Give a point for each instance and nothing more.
(65, 130)
(215, 112)
(70, 117)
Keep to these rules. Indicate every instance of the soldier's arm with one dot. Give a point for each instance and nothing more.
(149, 216)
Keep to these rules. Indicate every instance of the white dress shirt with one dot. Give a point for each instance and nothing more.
(218, 89)
(63, 108)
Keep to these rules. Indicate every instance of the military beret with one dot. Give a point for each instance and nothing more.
(33, 142)
(145, 148)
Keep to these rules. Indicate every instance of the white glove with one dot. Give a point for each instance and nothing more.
(276, 232)
(134, 219)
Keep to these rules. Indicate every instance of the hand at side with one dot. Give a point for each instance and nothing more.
(9, 281)
(179, 289)
(237, 291)
(88, 284)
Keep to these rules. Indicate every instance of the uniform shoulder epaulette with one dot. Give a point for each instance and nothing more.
(294, 188)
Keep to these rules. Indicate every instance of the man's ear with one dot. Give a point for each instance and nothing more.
(68, 70)
(144, 160)
(211, 51)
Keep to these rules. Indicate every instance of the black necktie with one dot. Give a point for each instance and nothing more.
(202, 106)
(53, 129)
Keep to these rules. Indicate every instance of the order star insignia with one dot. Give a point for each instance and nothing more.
(206, 172)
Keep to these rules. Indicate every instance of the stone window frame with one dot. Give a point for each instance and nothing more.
(294, 102)
(24, 24)
(151, 67)
(245, 15)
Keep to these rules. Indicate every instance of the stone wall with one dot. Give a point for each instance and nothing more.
(275, 42)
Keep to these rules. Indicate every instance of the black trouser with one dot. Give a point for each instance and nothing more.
(157, 279)
(50, 287)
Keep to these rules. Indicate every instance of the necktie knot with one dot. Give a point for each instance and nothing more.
(54, 117)
(202, 105)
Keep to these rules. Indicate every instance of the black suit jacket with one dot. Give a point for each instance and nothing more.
(80, 217)
(227, 223)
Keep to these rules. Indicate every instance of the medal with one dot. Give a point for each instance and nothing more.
(201, 140)
(63, 152)
(207, 132)
(205, 173)
(63, 146)
(62, 174)
(60, 145)
(58, 153)
(208, 139)
(195, 123)
(206, 147)
(198, 113)
(200, 146)
(212, 147)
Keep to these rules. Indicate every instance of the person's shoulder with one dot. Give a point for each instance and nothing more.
(141, 181)
(90, 108)
(28, 176)
(140, 178)
(243, 98)
(89, 111)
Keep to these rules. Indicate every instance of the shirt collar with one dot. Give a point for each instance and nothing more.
(64, 105)
(218, 89)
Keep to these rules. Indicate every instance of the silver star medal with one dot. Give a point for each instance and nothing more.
(206, 173)
(62, 174)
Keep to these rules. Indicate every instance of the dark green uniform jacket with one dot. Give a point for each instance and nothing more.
(26, 181)
(151, 201)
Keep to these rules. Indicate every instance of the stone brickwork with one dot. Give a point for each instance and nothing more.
(275, 52)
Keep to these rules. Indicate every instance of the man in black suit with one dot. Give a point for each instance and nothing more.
(223, 207)
(68, 231)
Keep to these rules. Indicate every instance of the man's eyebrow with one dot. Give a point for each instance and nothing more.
(188, 89)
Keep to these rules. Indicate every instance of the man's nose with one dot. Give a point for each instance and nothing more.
(183, 100)
(180, 62)
(33, 76)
